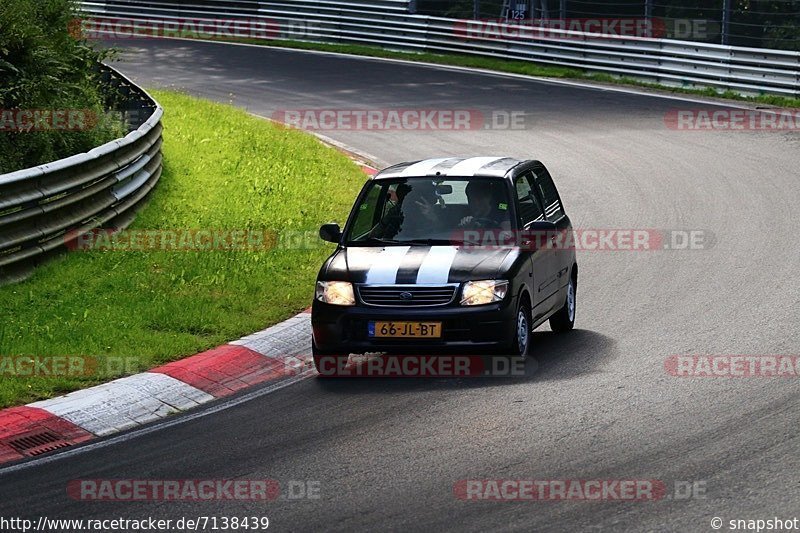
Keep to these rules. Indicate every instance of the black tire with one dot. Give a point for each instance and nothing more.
(564, 319)
(522, 325)
(325, 362)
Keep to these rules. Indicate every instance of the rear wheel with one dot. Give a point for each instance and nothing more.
(327, 363)
(564, 319)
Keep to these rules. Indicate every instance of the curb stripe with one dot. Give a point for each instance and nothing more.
(290, 338)
(125, 403)
(224, 370)
(280, 353)
(19, 422)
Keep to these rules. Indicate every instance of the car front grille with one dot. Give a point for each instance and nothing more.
(407, 295)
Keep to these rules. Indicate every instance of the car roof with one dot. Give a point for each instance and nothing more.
(488, 167)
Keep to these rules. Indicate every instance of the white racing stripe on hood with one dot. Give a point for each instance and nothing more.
(469, 167)
(421, 168)
(435, 268)
(384, 269)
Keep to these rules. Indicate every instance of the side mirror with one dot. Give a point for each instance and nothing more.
(330, 232)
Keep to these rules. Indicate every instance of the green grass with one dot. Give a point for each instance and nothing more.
(523, 67)
(223, 169)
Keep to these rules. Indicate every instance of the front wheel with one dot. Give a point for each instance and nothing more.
(564, 319)
(522, 330)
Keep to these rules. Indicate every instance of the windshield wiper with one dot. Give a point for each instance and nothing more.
(380, 242)
(374, 241)
(430, 242)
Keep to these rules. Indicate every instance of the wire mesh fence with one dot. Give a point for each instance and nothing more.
(751, 23)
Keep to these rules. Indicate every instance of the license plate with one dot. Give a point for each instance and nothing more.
(410, 330)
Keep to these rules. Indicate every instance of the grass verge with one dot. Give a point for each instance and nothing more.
(223, 169)
(522, 67)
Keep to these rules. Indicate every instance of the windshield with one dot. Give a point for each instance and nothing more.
(426, 210)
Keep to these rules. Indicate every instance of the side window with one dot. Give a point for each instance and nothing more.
(365, 218)
(529, 207)
(552, 205)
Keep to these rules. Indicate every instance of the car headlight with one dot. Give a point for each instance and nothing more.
(335, 292)
(483, 292)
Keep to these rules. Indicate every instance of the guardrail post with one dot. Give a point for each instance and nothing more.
(648, 10)
(476, 9)
(412, 6)
(562, 10)
(726, 20)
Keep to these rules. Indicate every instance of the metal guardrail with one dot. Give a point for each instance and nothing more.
(42, 209)
(388, 23)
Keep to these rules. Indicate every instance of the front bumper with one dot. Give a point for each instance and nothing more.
(340, 329)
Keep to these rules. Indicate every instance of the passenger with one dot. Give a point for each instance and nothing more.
(420, 211)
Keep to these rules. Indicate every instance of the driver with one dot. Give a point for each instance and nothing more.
(487, 209)
(420, 210)
(415, 213)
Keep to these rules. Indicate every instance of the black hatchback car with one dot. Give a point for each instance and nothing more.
(447, 255)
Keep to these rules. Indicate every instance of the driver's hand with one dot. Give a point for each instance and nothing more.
(426, 208)
(466, 221)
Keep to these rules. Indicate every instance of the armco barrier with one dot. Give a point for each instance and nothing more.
(389, 24)
(43, 207)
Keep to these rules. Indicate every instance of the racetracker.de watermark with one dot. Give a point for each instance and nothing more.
(206, 240)
(37, 120)
(589, 239)
(733, 366)
(418, 366)
(584, 29)
(632, 490)
(401, 119)
(717, 119)
(67, 365)
(171, 240)
(131, 490)
(116, 28)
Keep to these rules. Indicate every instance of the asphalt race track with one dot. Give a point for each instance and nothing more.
(599, 404)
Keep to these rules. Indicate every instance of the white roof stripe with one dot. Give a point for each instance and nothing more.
(469, 167)
(421, 168)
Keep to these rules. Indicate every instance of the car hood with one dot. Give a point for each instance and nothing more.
(416, 264)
